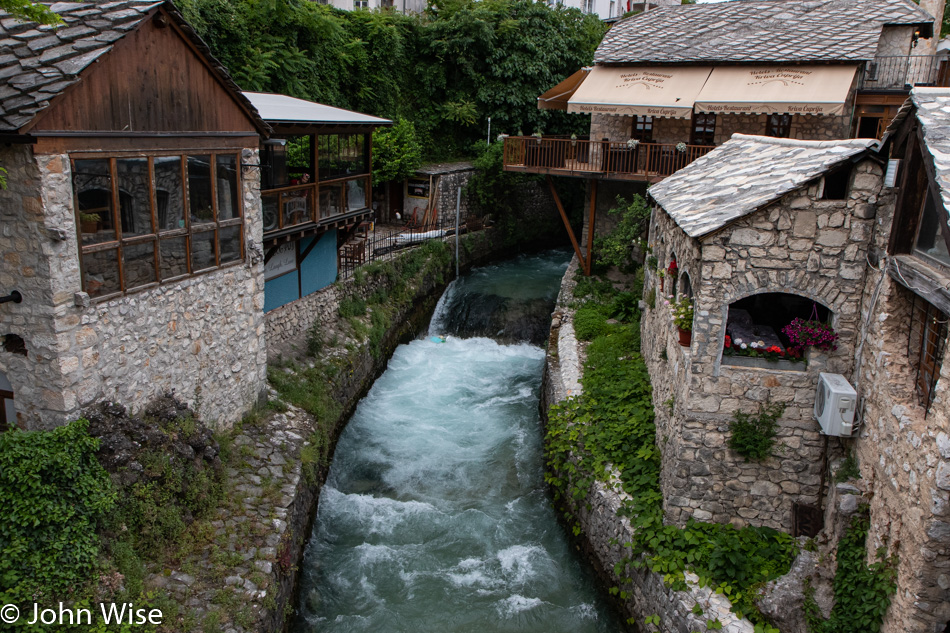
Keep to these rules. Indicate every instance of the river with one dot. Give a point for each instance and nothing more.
(435, 516)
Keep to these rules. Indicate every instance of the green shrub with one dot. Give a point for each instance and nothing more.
(52, 493)
(614, 249)
(753, 436)
(590, 321)
(352, 306)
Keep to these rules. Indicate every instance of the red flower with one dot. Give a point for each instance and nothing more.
(727, 343)
(672, 267)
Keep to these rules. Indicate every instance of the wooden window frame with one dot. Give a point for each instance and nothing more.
(707, 136)
(157, 234)
(5, 424)
(926, 342)
(778, 125)
(642, 128)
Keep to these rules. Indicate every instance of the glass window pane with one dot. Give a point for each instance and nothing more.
(342, 155)
(174, 257)
(100, 272)
(297, 207)
(331, 200)
(138, 264)
(199, 189)
(202, 251)
(229, 239)
(135, 194)
(269, 209)
(931, 232)
(169, 193)
(356, 194)
(229, 204)
(92, 188)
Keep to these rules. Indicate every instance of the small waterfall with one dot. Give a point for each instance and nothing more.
(509, 302)
(440, 314)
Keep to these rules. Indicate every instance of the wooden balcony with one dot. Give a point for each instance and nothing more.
(602, 160)
(300, 210)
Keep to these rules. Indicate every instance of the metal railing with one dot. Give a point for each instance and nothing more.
(385, 242)
(581, 157)
(898, 72)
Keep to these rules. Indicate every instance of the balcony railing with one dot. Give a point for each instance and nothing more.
(598, 159)
(903, 71)
(297, 205)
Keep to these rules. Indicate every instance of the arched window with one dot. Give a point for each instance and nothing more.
(756, 323)
(686, 286)
(672, 272)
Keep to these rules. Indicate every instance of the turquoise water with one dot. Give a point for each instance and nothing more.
(435, 516)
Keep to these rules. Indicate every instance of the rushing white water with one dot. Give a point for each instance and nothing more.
(435, 516)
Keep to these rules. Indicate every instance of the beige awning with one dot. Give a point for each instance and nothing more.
(777, 90)
(556, 98)
(652, 91)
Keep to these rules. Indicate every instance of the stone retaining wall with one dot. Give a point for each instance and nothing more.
(603, 531)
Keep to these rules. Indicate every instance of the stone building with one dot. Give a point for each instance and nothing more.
(131, 224)
(670, 84)
(903, 443)
(761, 231)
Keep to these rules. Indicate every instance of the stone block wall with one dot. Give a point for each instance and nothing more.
(202, 337)
(799, 245)
(448, 179)
(904, 455)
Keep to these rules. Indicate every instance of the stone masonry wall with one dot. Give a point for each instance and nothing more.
(904, 456)
(33, 246)
(799, 245)
(202, 338)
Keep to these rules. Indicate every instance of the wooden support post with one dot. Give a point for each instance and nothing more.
(590, 227)
(567, 225)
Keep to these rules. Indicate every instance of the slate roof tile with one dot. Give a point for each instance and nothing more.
(933, 112)
(767, 31)
(38, 62)
(744, 174)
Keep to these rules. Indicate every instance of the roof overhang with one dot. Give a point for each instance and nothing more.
(289, 115)
(663, 91)
(777, 90)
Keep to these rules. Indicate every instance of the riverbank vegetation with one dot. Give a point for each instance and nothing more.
(608, 434)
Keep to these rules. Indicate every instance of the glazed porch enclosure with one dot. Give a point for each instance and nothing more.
(315, 170)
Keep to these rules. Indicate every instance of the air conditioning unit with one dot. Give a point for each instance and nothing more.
(835, 404)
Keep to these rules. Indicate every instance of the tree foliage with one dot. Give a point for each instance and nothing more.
(29, 11)
(445, 71)
(396, 152)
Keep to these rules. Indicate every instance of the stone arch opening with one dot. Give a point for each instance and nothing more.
(686, 286)
(760, 318)
(7, 407)
(671, 273)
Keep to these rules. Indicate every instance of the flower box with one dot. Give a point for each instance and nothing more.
(757, 362)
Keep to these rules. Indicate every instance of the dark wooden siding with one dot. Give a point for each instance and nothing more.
(152, 81)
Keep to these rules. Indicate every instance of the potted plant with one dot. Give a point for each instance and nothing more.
(89, 222)
(661, 274)
(683, 319)
(804, 333)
